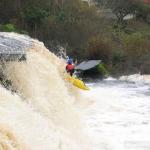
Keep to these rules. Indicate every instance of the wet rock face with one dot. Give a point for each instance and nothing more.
(13, 46)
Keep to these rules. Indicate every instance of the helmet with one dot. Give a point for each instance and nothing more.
(70, 61)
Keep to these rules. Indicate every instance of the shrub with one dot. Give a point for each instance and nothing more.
(24, 32)
(102, 69)
(118, 57)
(136, 46)
(99, 48)
(8, 28)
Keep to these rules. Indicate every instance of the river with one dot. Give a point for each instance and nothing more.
(118, 118)
(40, 110)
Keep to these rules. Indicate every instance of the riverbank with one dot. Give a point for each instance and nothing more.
(86, 31)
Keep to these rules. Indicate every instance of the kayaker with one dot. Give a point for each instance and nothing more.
(70, 67)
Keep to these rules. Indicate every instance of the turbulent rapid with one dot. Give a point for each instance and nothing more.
(39, 110)
(119, 118)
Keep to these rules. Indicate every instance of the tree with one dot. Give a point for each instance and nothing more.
(120, 8)
(34, 17)
(143, 11)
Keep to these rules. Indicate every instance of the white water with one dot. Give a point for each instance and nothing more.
(46, 113)
(41, 114)
(119, 118)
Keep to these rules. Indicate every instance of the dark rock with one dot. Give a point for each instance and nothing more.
(13, 46)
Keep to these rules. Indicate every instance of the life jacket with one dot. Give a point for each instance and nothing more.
(69, 67)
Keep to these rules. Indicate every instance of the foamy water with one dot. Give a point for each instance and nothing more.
(41, 111)
(40, 114)
(119, 118)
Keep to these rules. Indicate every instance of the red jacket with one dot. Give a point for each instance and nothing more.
(69, 67)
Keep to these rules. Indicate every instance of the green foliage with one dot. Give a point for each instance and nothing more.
(83, 30)
(8, 28)
(120, 8)
(143, 11)
(137, 46)
(24, 32)
(118, 57)
(102, 69)
(35, 14)
(61, 15)
(69, 22)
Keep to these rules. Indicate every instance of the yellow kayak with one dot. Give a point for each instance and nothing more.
(78, 83)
